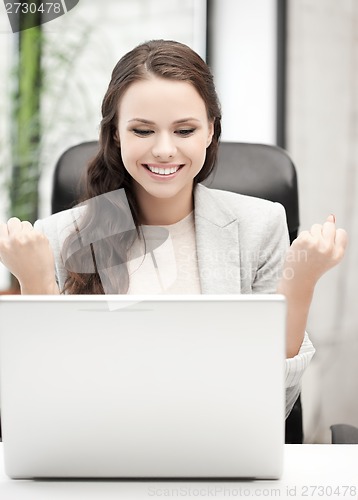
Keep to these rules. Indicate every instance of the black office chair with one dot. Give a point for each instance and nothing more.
(344, 434)
(253, 169)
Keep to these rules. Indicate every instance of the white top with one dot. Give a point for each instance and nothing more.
(172, 266)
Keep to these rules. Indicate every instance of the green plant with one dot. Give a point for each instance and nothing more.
(26, 128)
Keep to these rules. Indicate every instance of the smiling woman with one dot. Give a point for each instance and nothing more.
(150, 226)
(160, 111)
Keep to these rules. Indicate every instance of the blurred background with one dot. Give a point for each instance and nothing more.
(286, 73)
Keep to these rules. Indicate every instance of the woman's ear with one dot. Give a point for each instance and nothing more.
(116, 138)
(210, 134)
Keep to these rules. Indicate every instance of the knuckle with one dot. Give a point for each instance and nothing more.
(305, 240)
(326, 248)
(339, 254)
(40, 237)
(13, 219)
(20, 241)
(302, 237)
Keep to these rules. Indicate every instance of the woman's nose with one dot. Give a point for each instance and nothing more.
(164, 147)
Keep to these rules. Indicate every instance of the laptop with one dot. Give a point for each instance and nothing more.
(142, 386)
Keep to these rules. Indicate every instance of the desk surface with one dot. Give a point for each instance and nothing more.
(310, 472)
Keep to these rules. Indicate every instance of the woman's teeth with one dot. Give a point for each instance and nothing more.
(163, 171)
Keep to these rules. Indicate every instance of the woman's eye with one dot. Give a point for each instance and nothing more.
(142, 133)
(185, 132)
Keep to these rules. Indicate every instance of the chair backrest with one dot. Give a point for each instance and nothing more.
(253, 169)
(68, 175)
(344, 434)
(258, 170)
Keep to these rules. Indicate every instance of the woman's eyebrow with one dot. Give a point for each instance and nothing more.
(190, 119)
(142, 120)
(149, 122)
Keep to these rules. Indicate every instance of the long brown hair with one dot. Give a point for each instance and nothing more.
(106, 173)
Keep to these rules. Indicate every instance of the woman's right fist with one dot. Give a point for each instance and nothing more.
(28, 256)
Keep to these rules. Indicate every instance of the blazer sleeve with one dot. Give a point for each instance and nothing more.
(49, 230)
(271, 256)
(272, 250)
(57, 227)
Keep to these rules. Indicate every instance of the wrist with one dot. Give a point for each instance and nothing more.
(50, 288)
(299, 289)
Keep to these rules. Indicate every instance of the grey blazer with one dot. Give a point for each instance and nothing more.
(240, 240)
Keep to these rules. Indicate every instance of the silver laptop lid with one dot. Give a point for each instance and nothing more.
(142, 386)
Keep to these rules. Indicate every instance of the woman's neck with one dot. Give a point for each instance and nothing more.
(164, 211)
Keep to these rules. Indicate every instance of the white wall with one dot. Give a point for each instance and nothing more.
(244, 66)
(323, 142)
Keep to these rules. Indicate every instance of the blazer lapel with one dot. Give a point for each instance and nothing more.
(217, 243)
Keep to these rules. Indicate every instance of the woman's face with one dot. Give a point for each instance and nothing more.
(163, 131)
